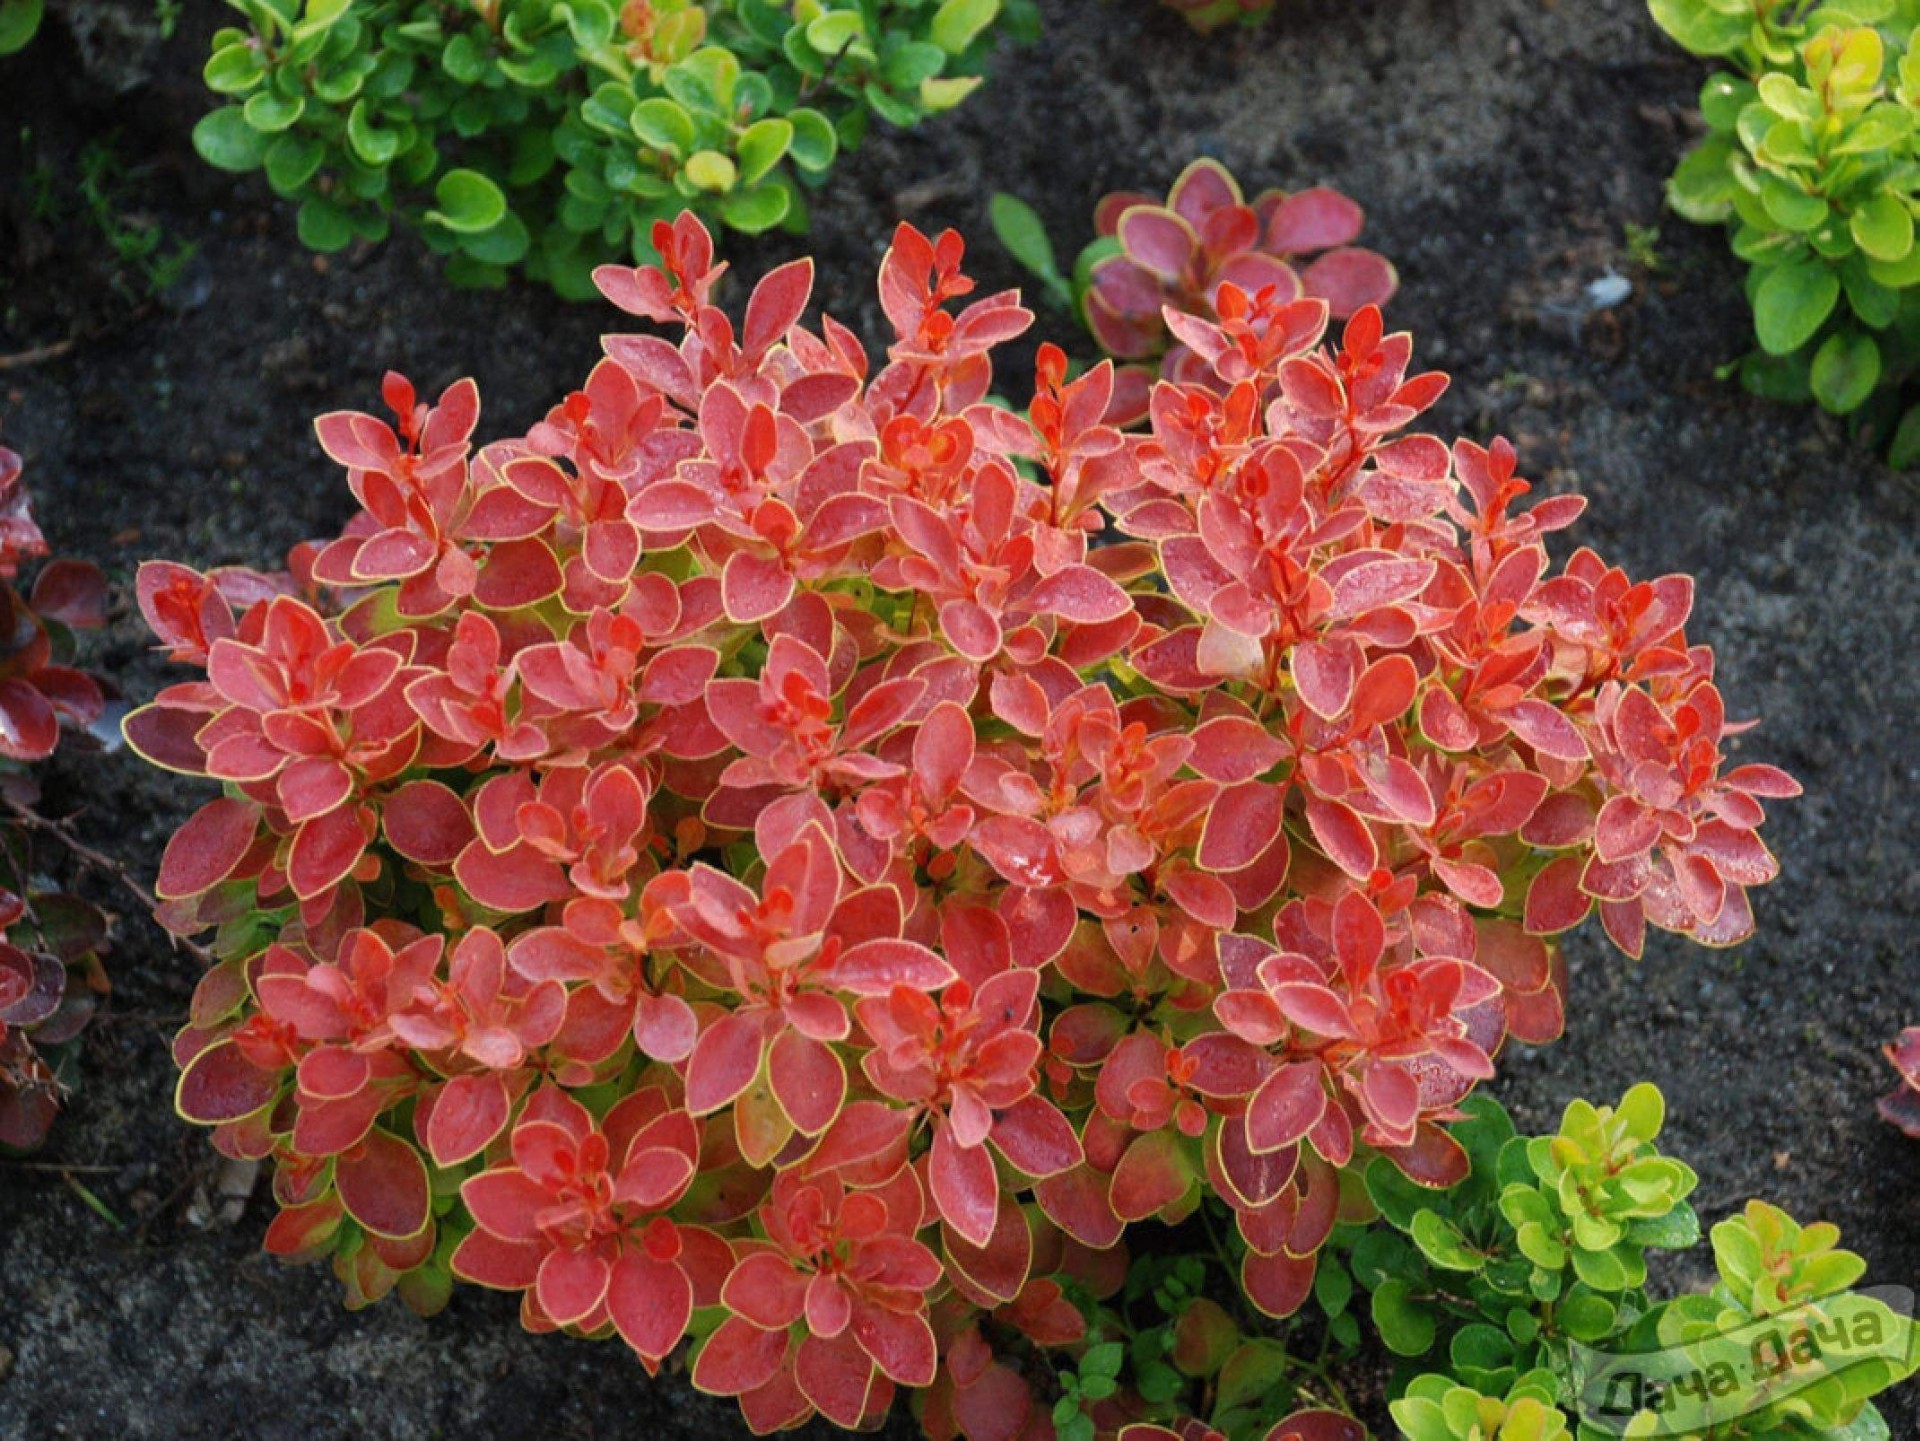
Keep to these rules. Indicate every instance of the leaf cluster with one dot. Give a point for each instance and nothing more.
(51, 978)
(1810, 160)
(1499, 1293)
(551, 134)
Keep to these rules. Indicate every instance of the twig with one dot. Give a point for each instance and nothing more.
(55, 1168)
(22, 358)
(62, 831)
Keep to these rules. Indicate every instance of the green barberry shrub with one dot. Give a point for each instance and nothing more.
(554, 133)
(1810, 159)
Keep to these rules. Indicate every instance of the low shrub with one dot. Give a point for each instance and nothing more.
(50, 942)
(1810, 159)
(528, 132)
(1515, 1306)
(790, 854)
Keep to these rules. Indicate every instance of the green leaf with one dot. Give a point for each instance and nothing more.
(270, 112)
(711, 171)
(761, 147)
(374, 146)
(1440, 1242)
(757, 209)
(1722, 99)
(1404, 1324)
(1024, 233)
(1791, 303)
(19, 19)
(505, 244)
(1883, 228)
(835, 31)
(467, 202)
(226, 142)
(1904, 452)
(663, 124)
(1789, 206)
(1103, 1360)
(1700, 29)
(321, 15)
(1846, 369)
(814, 142)
(323, 226)
(464, 59)
(232, 69)
(906, 65)
(293, 160)
(1602, 1270)
(958, 23)
(1586, 1317)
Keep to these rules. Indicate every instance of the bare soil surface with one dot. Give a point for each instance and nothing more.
(1501, 148)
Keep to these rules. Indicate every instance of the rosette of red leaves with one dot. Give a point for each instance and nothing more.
(50, 973)
(790, 854)
(1164, 268)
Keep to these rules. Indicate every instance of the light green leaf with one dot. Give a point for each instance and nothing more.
(374, 146)
(1846, 369)
(761, 147)
(1883, 228)
(1791, 303)
(663, 124)
(270, 112)
(231, 69)
(757, 209)
(1024, 233)
(814, 141)
(467, 202)
(957, 23)
(711, 171)
(226, 142)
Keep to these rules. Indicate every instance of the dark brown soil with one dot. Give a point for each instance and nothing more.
(1501, 147)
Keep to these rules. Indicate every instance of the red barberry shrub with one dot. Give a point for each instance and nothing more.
(790, 854)
(1901, 1106)
(1159, 267)
(50, 972)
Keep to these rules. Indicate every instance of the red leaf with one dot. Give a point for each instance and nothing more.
(468, 1112)
(383, 1184)
(901, 1345)
(572, 1283)
(724, 1062)
(808, 1081)
(325, 851)
(1036, 1138)
(426, 822)
(966, 1190)
(1277, 1284)
(873, 968)
(1287, 1107)
(1154, 1172)
(221, 1084)
(205, 851)
(650, 1302)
